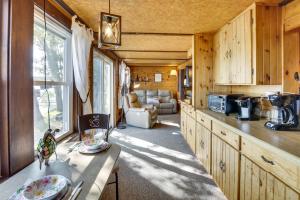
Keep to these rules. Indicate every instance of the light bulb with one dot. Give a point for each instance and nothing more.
(108, 30)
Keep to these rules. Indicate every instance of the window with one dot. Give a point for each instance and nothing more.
(59, 77)
(102, 84)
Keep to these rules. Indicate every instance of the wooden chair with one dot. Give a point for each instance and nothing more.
(99, 121)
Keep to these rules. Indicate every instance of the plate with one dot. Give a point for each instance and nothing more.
(83, 149)
(45, 188)
(94, 145)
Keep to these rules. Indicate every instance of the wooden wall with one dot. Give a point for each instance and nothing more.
(202, 69)
(16, 108)
(291, 39)
(168, 82)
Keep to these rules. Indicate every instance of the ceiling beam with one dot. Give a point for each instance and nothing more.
(285, 2)
(160, 34)
(155, 58)
(161, 51)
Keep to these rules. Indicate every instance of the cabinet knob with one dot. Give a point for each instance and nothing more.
(202, 120)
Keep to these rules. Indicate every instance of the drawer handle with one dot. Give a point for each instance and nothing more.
(202, 144)
(223, 133)
(191, 131)
(222, 166)
(267, 161)
(202, 120)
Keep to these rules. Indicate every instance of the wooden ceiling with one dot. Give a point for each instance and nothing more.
(159, 32)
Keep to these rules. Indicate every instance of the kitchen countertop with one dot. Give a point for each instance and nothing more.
(288, 141)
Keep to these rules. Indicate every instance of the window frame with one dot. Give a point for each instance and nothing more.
(59, 29)
(104, 59)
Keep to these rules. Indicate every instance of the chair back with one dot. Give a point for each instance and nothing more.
(93, 121)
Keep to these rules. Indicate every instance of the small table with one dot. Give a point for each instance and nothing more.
(93, 169)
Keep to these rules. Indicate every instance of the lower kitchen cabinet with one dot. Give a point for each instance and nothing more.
(191, 132)
(225, 167)
(183, 123)
(203, 145)
(256, 183)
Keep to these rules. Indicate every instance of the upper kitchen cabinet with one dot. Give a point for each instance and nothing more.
(291, 15)
(247, 50)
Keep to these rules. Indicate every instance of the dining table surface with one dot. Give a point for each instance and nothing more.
(93, 169)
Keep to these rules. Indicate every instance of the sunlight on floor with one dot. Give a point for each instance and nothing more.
(169, 123)
(151, 146)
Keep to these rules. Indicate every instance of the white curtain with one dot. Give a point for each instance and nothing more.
(122, 75)
(82, 38)
(124, 78)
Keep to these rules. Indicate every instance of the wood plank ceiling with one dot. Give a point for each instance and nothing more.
(159, 32)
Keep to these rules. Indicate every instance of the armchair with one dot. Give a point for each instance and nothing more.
(137, 115)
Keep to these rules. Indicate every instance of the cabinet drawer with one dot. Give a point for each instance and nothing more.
(191, 111)
(203, 119)
(227, 135)
(287, 170)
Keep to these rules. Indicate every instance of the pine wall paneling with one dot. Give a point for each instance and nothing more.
(202, 69)
(168, 82)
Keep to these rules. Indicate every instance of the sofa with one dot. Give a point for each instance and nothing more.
(162, 99)
(136, 114)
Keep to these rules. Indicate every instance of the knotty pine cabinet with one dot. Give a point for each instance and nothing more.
(191, 132)
(225, 167)
(183, 123)
(256, 183)
(247, 50)
(203, 145)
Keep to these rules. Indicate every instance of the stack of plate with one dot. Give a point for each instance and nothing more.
(46, 188)
(91, 148)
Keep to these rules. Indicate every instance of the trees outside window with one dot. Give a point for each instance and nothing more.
(58, 77)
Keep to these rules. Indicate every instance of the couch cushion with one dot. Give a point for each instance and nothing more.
(141, 94)
(153, 100)
(164, 93)
(152, 93)
(133, 100)
(164, 99)
(166, 106)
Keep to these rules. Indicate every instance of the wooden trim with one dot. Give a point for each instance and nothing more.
(54, 12)
(4, 37)
(20, 85)
(65, 7)
(155, 58)
(160, 34)
(162, 51)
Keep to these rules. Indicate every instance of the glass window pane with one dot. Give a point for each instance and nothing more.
(102, 87)
(57, 108)
(55, 55)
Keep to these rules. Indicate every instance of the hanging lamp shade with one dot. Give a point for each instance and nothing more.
(109, 31)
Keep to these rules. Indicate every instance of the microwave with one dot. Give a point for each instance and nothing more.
(223, 103)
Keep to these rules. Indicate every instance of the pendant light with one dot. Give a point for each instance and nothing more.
(109, 30)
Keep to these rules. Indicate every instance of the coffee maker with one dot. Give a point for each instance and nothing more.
(246, 108)
(285, 112)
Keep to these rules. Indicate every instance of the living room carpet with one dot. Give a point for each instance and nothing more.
(158, 164)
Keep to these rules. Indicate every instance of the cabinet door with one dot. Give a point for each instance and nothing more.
(225, 167)
(203, 145)
(191, 130)
(223, 69)
(241, 50)
(256, 183)
(183, 123)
